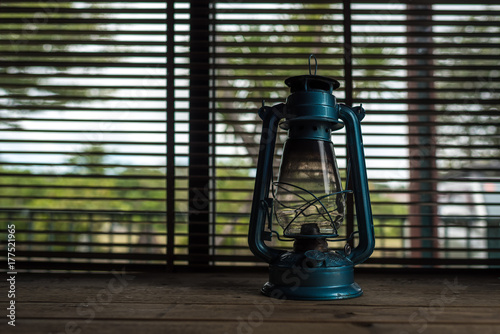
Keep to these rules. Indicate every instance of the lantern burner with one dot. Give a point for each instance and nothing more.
(317, 243)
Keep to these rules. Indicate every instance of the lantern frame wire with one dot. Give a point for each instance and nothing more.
(328, 237)
(307, 204)
(269, 210)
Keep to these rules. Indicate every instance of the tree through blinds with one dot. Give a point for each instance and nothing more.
(130, 131)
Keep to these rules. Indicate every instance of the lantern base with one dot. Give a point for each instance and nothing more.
(312, 293)
(301, 280)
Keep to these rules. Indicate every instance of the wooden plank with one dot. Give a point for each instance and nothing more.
(379, 290)
(269, 310)
(231, 303)
(235, 327)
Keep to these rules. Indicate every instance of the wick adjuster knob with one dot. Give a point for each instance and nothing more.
(315, 258)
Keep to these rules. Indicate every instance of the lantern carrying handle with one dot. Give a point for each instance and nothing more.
(270, 119)
(351, 118)
(315, 64)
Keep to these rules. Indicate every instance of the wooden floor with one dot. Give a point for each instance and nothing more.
(230, 302)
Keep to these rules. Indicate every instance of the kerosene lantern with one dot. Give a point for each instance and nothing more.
(307, 199)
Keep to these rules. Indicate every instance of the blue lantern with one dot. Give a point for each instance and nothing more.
(307, 199)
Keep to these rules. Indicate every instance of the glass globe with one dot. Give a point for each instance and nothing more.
(308, 197)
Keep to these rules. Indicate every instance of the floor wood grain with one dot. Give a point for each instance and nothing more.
(230, 302)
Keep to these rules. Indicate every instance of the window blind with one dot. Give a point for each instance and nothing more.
(130, 134)
(427, 76)
(83, 131)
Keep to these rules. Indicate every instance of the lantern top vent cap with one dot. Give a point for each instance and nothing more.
(311, 83)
